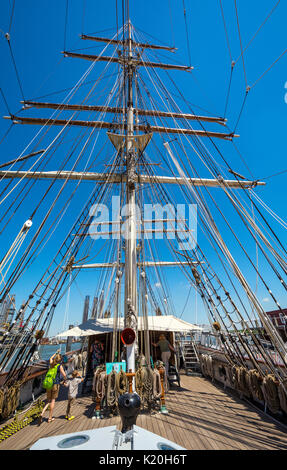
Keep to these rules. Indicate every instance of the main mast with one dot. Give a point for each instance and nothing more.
(131, 306)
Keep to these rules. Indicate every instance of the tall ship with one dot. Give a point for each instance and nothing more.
(121, 204)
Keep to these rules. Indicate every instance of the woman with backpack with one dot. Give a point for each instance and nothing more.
(52, 384)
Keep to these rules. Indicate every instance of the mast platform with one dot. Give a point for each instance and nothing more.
(202, 416)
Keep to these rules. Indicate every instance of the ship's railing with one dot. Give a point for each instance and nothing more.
(211, 341)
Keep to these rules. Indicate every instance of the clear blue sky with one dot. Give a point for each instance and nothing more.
(37, 39)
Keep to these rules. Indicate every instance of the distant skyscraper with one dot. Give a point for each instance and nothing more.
(86, 308)
(94, 308)
(7, 311)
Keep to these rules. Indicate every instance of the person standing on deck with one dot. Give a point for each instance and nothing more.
(52, 394)
(73, 384)
(97, 351)
(165, 349)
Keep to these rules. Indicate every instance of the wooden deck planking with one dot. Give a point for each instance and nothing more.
(243, 416)
(202, 416)
(209, 415)
(189, 410)
(226, 427)
(237, 420)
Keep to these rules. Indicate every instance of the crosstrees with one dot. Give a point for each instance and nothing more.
(125, 61)
(125, 43)
(110, 109)
(115, 125)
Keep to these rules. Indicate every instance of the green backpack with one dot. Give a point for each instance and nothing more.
(49, 379)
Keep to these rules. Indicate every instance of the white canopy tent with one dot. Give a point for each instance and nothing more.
(106, 325)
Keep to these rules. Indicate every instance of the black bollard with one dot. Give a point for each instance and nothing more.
(129, 408)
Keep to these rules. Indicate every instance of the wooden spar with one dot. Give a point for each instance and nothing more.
(20, 159)
(109, 109)
(146, 264)
(126, 61)
(116, 125)
(119, 178)
(123, 43)
(143, 230)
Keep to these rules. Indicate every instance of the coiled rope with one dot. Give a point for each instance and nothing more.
(98, 383)
(254, 381)
(148, 395)
(101, 385)
(9, 400)
(229, 375)
(206, 364)
(282, 395)
(241, 380)
(156, 384)
(270, 392)
(2, 395)
(139, 382)
(122, 382)
(111, 395)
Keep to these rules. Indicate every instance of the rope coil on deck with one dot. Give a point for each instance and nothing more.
(229, 375)
(206, 363)
(144, 380)
(282, 395)
(148, 395)
(2, 395)
(139, 382)
(241, 379)
(254, 381)
(122, 383)
(98, 382)
(156, 384)
(9, 400)
(270, 392)
(111, 395)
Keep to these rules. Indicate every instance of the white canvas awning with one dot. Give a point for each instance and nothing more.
(106, 325)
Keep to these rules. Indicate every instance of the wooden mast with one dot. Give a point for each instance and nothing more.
(131, 304)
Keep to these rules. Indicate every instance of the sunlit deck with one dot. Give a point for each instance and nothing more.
(202, 416)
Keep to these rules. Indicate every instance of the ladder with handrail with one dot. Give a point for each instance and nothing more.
(189, 354)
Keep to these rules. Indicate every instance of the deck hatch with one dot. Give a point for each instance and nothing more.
(73, 441)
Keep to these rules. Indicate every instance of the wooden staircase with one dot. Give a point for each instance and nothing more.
(190, 357)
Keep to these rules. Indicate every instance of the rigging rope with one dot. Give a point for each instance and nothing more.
(254, 36)
(186, 32)
(12, 16)
(240, 40)
(15, 67)
(65, 27)
(269, 68)
(226, 32)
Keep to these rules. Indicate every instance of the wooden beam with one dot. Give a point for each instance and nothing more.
(21, 159)
(110, 109)
(145, 264)
(119, 178)
(116, 125)
(123, 61)
(143, 230)
(126, 42)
